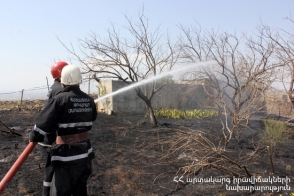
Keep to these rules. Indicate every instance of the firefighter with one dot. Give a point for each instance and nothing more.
(71, 113)
(56, 88)
(56, 70)
(49, 139)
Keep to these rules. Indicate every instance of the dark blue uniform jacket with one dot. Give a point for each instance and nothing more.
(70, 112)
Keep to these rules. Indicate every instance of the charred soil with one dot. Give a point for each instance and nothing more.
(129, 156)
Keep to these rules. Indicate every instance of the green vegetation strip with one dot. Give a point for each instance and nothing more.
(175, 113)
(275, 132)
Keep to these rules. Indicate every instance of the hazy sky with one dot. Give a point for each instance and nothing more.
(29, 29)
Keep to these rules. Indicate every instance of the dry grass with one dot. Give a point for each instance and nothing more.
(24, 105)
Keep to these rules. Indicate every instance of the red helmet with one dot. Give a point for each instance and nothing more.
(57, 68)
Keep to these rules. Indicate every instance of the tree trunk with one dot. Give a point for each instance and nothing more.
(147, 101)
(152, 117)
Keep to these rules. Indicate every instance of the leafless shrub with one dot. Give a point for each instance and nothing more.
(243, 72)
(195, 151)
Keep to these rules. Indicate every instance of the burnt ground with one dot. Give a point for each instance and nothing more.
(129, 157)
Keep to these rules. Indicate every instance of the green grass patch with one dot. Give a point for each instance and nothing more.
(275, 132)
(175, 113)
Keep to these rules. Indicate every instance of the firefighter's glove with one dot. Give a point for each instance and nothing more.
(36, 137)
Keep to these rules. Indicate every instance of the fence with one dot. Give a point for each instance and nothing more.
(30, 94)
(88, 85)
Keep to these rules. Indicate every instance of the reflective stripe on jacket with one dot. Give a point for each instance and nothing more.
(70, 112)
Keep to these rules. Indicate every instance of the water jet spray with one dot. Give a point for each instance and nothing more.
(184, 68)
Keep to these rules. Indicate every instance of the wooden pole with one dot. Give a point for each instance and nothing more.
(21, 100)
(47, 83)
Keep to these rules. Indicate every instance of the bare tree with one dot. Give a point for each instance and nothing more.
(139, 54)
(244, 69)
(285, 54)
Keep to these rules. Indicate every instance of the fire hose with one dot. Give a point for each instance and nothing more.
(15, 167)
